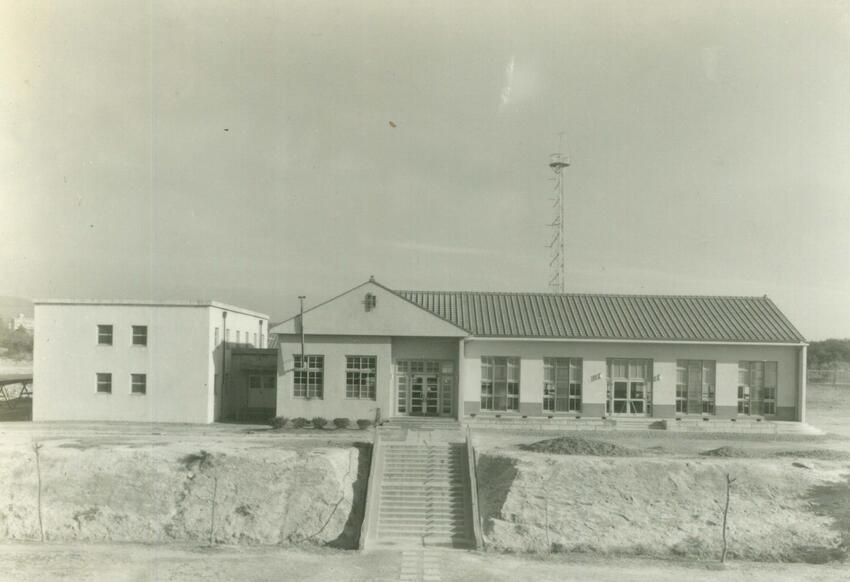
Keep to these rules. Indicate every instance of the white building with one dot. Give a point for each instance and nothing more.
(527, 355)
(136, 360)
(22, 321)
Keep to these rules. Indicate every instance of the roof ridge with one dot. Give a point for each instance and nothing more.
(553, 294)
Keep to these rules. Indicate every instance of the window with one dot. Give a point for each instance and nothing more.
(308, 381)
(216, 338)
(562, 384)
(104, 382)
(140, 335)
(360, 372)
(138, 383)
(237, 336)
(104, 335)
(261, 382)
(499, 383)
(757, 385)
(695, 386)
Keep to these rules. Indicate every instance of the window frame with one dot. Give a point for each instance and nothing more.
(135, 335)
(707, 386)
(102, 334)
(562, 391)
(753, 394)
(359, 378)
(501, 391)
(134, 384)
(101, 379)
(313, 385)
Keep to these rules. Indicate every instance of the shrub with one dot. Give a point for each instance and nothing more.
(319, 422)
(299, 422)
(342, 422)
(364, 423)
(278, 422)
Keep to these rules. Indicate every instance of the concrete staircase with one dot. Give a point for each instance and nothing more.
(421, 491)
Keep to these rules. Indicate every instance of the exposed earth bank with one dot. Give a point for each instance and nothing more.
(115, 492)
(664, 507)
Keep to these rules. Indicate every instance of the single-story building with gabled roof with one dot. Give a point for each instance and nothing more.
(459, 354)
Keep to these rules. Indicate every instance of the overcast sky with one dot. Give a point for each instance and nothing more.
(242, 151)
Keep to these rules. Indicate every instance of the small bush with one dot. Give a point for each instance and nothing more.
(278, 422)
(319, 422)
(364, 423)
(342, 422)
(299, 422)
(200, 460)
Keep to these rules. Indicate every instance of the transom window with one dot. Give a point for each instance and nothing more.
(140, 335)
(499, 383)
(104, 382)
(562, 384)
(695, 387)
(360, 372)
(104, 335)
(308, 380)
(138, 383)
(757, 382)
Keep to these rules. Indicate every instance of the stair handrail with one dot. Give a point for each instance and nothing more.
(473, 487)
(371, 490)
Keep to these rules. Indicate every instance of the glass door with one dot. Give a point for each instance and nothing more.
(432, 396)
(629, 387)
(424, 387)
(417, 394)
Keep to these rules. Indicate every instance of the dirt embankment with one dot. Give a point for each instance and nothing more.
(148, 493)
(669, 507)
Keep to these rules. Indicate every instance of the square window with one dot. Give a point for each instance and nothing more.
(104, 382)
(104, 335)
(140, 335)
(138, 383)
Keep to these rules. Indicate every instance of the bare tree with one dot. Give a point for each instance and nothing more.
(729, 481)
(36, 447)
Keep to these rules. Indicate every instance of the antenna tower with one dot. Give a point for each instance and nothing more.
(557, 244)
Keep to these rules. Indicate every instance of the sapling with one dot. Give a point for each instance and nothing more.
(729, 481)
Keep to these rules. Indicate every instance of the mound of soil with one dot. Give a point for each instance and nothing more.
(726, 452)
(178, 492)
(821, 454)
(666, 508)
(571, 445)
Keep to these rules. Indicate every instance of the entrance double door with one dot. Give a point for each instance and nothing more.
(424, 388)
(630, 387)
(425, 395)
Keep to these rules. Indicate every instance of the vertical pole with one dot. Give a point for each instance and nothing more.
(223, 361)
(301, 321)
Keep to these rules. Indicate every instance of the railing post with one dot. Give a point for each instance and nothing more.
(473, 489)
(371, 490)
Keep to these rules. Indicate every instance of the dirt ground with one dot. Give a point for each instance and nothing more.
(143, 563)
(121, 482)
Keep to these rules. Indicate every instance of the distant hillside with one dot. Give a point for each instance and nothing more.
(12, 306)
(830, 353)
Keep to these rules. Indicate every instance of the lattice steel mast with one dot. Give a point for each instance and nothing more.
(557, 256)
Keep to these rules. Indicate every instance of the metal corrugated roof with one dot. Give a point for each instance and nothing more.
(611, 317)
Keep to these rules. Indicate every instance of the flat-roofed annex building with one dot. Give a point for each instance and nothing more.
(457, 354)
(145, 361)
